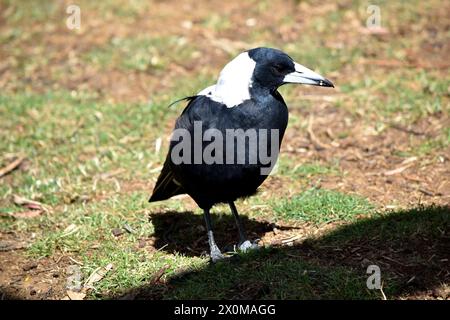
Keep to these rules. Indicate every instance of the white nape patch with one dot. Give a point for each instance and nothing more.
(234, 82)
(207, 91)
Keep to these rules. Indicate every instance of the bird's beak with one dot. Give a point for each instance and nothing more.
(306, 76)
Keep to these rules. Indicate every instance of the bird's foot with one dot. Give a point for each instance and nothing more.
(216, 255)
(247, 246)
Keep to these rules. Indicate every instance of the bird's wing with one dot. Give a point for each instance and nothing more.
(166, 185)
(198, 108)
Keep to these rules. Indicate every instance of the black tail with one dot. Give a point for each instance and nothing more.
(166, 186)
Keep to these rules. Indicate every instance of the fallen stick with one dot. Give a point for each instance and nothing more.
(292, 239)
(158, 275)
(30, 204)
(398, 170)
(316, 142)
(11, 167)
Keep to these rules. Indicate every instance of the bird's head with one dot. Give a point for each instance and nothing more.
(262, 70)
(274, 68)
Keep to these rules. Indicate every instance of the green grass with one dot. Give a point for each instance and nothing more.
(141, 53)
(322, 206)
(269, 274)
(85, 232)
(70, 142)
(22, 11)
(395, 226)
(288, 167)
(424, 94)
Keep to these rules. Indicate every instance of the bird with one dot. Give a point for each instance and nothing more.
(219, 147)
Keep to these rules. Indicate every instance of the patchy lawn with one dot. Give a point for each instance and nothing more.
(363, 178)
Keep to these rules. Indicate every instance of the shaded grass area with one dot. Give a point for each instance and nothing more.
(331, 266)
(269, 274)
(405, 244)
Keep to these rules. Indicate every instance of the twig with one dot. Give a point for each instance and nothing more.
(75, 261)
(406, 130)
(158, 275)
(410, 280)
(317, 143)
(163, 247)
(382, 292)
(12, 166)
(292, 239)
(398, 170)
(426, 192)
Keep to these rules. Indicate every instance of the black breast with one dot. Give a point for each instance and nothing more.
(244, 162)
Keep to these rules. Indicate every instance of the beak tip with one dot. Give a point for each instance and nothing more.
(327, 83)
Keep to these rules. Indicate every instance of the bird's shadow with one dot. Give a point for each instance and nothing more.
(410, 247)
(185, 232)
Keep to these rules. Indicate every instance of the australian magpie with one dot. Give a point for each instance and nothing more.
(227, 139)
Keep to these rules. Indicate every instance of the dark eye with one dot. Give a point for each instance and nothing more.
(278, 69)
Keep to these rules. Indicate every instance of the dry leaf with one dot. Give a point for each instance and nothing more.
(374, 30)
(30, 204)
(73, 295)
(27, 214)
(97, 275)
(72, 228)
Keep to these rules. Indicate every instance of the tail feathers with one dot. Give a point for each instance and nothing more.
(166, 186)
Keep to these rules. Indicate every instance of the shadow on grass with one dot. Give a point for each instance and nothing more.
(410, 247)
(185, 232)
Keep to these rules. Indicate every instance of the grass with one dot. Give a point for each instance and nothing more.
(72, 144)
(422, 95)
(290, 272)
(395, 226)
(322, 206)
(288, 167)
(269, 274)
(91, 158)
(141, 53)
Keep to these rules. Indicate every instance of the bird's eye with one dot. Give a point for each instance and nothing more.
(277, 69)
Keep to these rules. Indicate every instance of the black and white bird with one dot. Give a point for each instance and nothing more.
(245, 102)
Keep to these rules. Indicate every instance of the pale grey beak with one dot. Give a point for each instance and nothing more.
(304, 75)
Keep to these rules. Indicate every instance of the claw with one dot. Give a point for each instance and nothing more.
(216, 256)
(247, 245)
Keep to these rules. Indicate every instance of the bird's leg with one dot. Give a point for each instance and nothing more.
(242, 235)
(214, 249)
(244, 243)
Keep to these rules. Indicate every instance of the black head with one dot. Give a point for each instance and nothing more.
(274, 68)
(259, 72)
